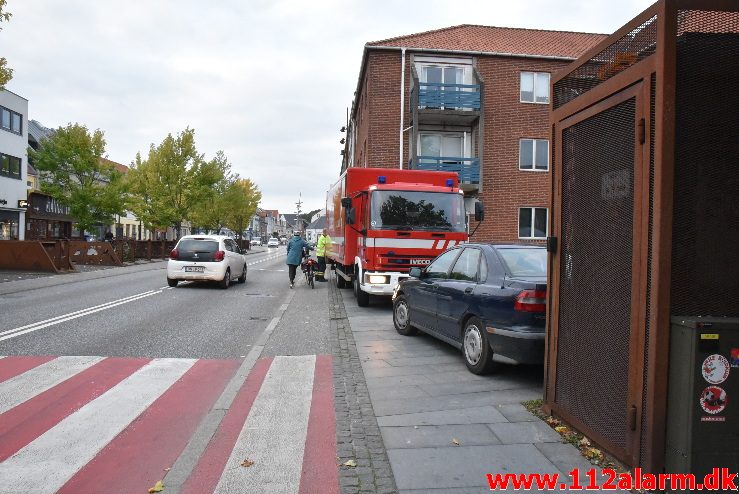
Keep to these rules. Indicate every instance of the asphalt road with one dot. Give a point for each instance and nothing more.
(135, 314)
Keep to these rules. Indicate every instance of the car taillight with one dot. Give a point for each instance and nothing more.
(174, 254)
(531, 301)
(219, 256)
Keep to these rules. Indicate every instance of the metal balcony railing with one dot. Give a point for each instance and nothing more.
(448, 96)
(467, 168)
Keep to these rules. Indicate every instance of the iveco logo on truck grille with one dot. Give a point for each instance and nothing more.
(420, 261)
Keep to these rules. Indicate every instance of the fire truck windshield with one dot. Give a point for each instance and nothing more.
(409, 210)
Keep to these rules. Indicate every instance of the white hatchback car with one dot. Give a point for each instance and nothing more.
(273, 242)
(206, 258)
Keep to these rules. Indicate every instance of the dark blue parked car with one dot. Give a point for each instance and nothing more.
(487, 300)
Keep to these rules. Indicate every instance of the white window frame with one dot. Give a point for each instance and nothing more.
(533, 221)
(533, 155)
(534, 74)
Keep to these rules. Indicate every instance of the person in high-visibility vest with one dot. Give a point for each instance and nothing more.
(323, 243)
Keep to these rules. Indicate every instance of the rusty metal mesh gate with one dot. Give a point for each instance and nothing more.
(595, 267)
(643, 232)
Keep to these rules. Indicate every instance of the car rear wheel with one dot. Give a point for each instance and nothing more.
(171, 282)
(242, 278)
(402, 317)
(226, 279)
(477, 353)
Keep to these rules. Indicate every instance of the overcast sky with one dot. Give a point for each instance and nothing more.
(268, 82)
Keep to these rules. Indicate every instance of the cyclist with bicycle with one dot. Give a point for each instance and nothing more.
(295, 248)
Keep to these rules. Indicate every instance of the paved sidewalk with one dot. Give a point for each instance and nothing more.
(426, 401)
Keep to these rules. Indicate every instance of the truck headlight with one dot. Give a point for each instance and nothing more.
(377, 279)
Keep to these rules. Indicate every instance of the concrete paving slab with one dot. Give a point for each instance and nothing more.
(381, 382)
(375, 364)
(463, 387)
(447, 402)
(464, 466)
(471, 415)
(525, 432)
(399, 392)
(427, 370)
(517, 413)
(409, 361)
(439, 436)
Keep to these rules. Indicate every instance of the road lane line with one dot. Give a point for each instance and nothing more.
(25, 386)
(27, 421)
(71, 317)
(319, 456)
(135, 460)
(13, 366)
(72, 313)
(74, 442)
(273, 436)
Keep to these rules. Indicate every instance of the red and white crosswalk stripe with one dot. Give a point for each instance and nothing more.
(94, 424)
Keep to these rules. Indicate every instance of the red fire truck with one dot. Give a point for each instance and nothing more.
(382, 222)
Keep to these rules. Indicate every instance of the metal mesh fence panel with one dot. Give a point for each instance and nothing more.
(596, 270)
(705, 269)
(633, 47)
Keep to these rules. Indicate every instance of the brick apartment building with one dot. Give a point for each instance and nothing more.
(475, 100)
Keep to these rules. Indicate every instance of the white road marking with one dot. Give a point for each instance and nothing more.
(67, 447)
(23, 387)
(274, 434)
(29, 328)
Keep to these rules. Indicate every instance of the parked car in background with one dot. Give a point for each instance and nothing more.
(273, 242)
(206, 258)
(487, 300)
(256, 241)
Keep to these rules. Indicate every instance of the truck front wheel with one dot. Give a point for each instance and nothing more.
(362, 297)
(340, 281)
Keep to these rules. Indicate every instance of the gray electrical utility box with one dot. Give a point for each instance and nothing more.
(703, 396)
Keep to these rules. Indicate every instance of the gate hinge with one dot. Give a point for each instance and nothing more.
(552, 245)
(642, 131)
(632, 418)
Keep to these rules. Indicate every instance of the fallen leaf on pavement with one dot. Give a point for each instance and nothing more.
(561, 429)
(552, 421)
(158, 487)
(350, 463)
(584, 441)
(455, 441)
(247, 463)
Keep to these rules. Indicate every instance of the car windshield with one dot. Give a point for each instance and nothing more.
(195, 245)
(525, 262)
(409, 210)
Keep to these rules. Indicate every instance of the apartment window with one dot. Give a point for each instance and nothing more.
(11, 121)
(10, 166)
(433, 147)
(532, 222)
(533, 154)
(535, 87)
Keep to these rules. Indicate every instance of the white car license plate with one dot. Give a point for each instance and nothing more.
(194, 269)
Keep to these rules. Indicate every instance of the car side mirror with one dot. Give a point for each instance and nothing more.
(346, 202)
(479, 211)
(415, 272)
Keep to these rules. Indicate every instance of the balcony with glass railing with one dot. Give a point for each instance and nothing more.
(438, 102)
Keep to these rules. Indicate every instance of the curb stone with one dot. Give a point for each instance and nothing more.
(358, 436)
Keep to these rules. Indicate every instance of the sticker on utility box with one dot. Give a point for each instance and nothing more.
(710, 418)
(715, 369)
(734, 357)
(713, 400)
